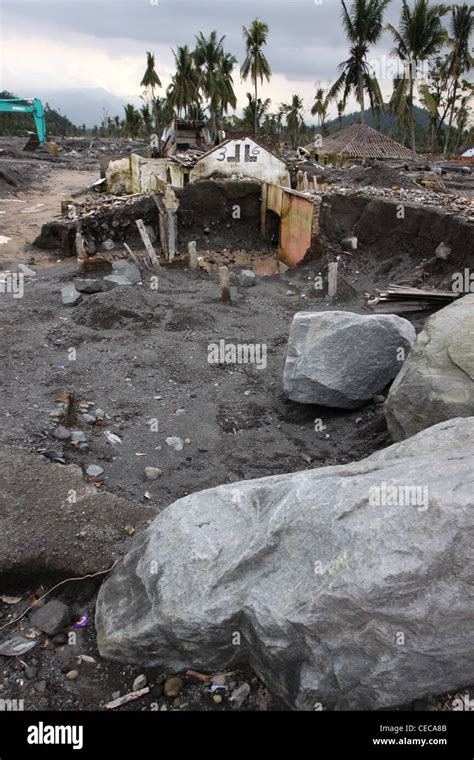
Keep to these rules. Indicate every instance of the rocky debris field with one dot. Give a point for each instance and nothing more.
(129, 413)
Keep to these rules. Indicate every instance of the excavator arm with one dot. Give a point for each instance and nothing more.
(35, 107)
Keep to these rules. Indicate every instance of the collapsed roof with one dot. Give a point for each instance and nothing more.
(360, 139)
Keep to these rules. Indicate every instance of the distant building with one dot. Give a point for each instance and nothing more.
(355, 142)
(185, 134)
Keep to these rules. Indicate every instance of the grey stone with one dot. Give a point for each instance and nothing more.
(17, 645)
(247, 278)
(443, 252)
(350, 243)
(139, 683)
(340, 359)
(94, 471)
(61, 433)
(88, 286)
(88, 418)
(319, 572)
(70, 296)
(26, 270)
(108, 245)
(114, 281)
(240, 694)
(437, 381)
(78, 436)
(153, 473)
(175, 443)
(51, 618)
(127, 269)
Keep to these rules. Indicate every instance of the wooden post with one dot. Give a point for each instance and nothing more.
(332, 279)
(148, 245)
(192, 255)
(224, 283)
(80, 248)
(131, 254)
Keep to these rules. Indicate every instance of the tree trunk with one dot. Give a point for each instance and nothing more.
(412, 117)
(362, 115)
(451, 117)
(256, 114)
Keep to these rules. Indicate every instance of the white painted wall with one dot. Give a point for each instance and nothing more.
(242, 157)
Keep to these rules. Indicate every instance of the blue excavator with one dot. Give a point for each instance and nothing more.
(35, 107)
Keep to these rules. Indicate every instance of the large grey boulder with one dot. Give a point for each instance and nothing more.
(437, 381)
(348, 587)
(341, 359)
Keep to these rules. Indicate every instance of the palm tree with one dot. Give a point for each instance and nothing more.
(294, 117)
(431, 101)
(147, 119)
(340, 110)
(363, 25)
(253, 115)
(133, 120)
(215, 76)
(182, 92)
(419, 36)
(320, 107)
(255, 64)
(151, 79)
(460, 59)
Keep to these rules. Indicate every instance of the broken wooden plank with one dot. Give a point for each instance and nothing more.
(192, 255)
(127, 698)
(131, 254)
(332, 279)
(148, 245)
(224, 284)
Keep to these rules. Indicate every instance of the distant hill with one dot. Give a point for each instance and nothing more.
(86, 106)
(385, 123)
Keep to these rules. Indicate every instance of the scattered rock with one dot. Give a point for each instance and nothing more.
(366, 562)
(16, 645)
(139, 683)
(247, 278)
(127, 269)
(349, 243)
(60, 639)
(88, 418)
(217, 699)
(175, 443)
(437, 381)
(108, 245)
(70, 296)
(173, 686)
(94, 470)
(339, 359)
(88, 286)
(72, 675)
(26, 270)
(240, 694)
(153, 473)
(51, 618)
(31, 672)
(61, 433)
(443, 252)
(115, 281)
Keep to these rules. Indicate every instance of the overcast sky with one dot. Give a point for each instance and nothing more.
(62, 44)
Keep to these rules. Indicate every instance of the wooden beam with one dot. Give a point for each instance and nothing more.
(148, 245)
